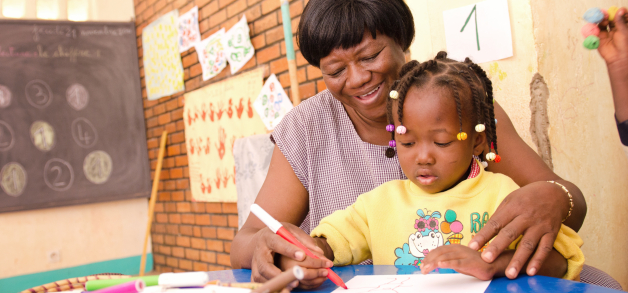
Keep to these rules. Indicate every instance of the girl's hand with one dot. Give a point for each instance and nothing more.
(532, 211)
(269, 244)
(614, 40)
(460, 258)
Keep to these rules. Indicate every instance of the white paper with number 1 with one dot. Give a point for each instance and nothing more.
(489, 40)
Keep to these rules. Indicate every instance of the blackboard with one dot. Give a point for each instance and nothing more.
(71, 117)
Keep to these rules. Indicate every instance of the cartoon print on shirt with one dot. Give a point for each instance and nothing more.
(428, 236)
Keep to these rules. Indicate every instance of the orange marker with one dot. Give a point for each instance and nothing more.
(278, 229)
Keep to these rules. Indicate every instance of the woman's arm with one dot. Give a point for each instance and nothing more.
(535, 211)
(283, 196)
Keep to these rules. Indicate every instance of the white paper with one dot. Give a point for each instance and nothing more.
(493, 32)
(189, 33)
(272, 104)
(211, 54)
(441, 283)
(237, 44)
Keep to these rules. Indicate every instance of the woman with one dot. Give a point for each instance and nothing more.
(332, 147)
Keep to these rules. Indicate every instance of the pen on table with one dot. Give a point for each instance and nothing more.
(278, 229)
(280, 282)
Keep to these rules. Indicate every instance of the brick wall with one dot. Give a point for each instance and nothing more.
(195, 236)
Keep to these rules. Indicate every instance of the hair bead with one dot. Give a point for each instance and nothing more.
(480, 128)
(401, 129)
(498, 158)
(462, 135)
(394, 94)
(392, 143)
(591, 42)
(390, 127)
(490, 156)
(594, 15)
(485, 164)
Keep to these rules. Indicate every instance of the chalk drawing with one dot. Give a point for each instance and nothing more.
(13, 179)
(42, 135)
(6, 136)
(97, 167)
(77, 96)
(58, 174)
(5, 97)
(38, 94)
(84, 133)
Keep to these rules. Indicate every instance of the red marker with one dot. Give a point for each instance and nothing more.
(278, 229)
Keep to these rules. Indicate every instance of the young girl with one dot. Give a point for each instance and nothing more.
(441, 119)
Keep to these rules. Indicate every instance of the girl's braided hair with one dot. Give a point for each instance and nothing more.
(453, 75)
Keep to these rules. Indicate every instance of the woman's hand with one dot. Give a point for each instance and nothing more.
(270, 245)
(532, 211)
(614, 49)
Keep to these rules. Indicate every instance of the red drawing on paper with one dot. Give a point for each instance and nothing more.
(203, 112)
(217, 179)
(199, 145)
(240, 109)
(249, 111)
(234, 172)
(205, 188)
(225, 178)
(207, 146)
(189, 118)
(191, 146)
(211, 112)
(221, 145)
(220, 110)
(229, 110)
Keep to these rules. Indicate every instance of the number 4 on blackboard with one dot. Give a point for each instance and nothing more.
(477, 36)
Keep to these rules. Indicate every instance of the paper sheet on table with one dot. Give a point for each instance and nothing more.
(441, 283)
(490, 40)
(189, 33)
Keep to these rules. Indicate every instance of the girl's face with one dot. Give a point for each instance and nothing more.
(360, 77)
(429, 153)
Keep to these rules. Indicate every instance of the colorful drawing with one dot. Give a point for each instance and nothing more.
(189, 34)
(212, 124)
(272, 104)
(237, 44)
(162, 60)
(401, 283)
(428, 236)
(211, 55)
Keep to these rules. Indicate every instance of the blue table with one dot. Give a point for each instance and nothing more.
(521, 284)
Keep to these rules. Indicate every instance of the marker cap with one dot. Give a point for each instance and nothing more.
(261, 214)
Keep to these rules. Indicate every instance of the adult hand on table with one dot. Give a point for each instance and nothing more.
(271, 247)
(531, 211)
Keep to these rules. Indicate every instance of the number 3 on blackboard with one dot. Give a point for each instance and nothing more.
(477, 36)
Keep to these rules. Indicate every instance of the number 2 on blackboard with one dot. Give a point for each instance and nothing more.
(477, 36)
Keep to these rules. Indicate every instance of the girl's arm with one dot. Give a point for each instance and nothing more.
(254, 247)
(535, 210)
(614, 49)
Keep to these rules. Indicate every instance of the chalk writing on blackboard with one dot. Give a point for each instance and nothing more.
(477, 36)
(58, 174)
(6, 136)
(13, 179)
(97, 167)
(38, 94)
(77, 96)
(56, 31)
(106, 31)
(42, 135)
(84, 132)
(5, 96)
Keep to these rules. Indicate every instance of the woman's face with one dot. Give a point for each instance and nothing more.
(361, 77)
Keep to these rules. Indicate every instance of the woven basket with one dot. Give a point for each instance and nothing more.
(73, 283)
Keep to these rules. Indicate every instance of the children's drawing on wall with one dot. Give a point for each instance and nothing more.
(238, 47)
(189, 33)
(211, 55)
(272, 103)
(162, 60)
(215, 116)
